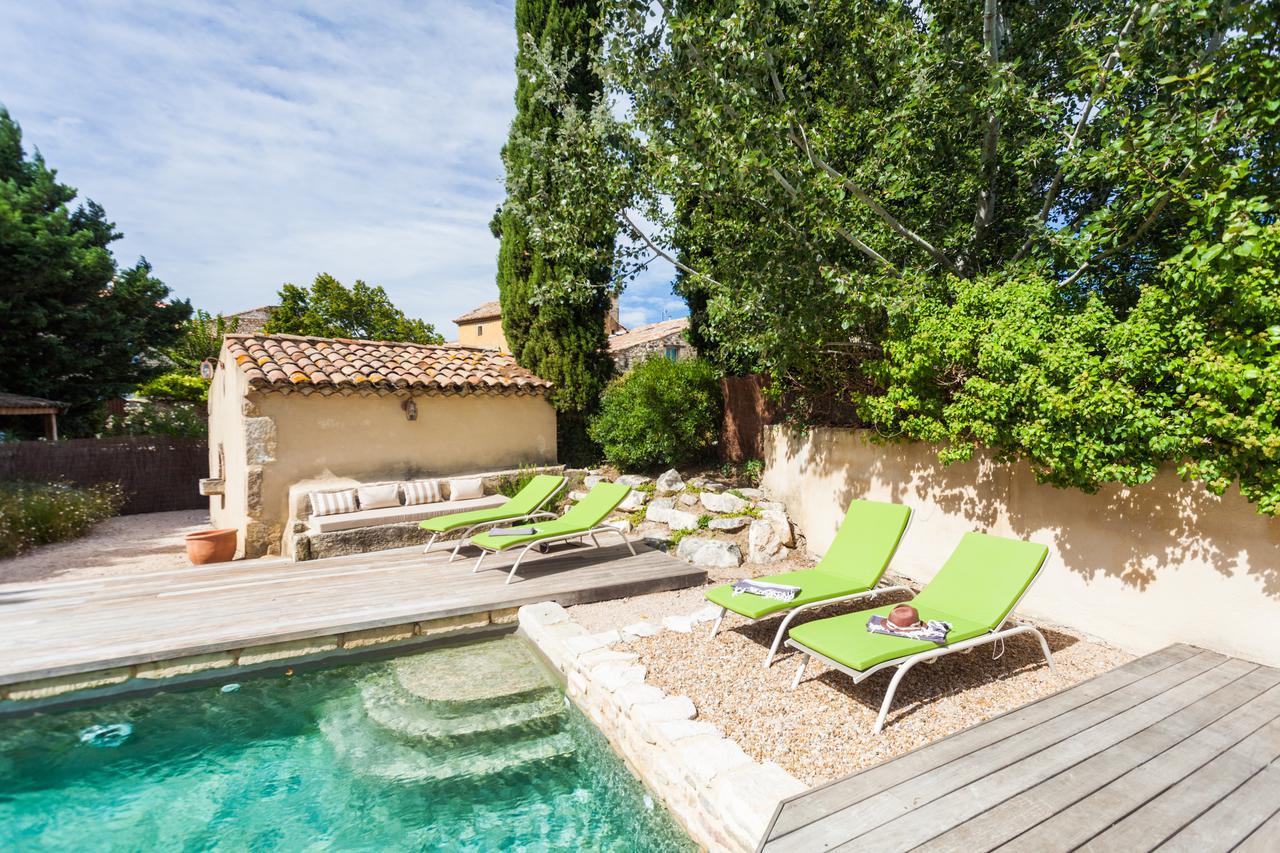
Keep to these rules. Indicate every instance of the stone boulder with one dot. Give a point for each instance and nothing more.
(622, 525)
(712, 487)
(687, 499)
(633, 501)
(781, 525)
(669, 483)
(732, 524)
(723, 502)
(658, 508)
(751, 494)
(590, 481)
(634, 480)
(678, 519)
(763, 543)
(576, 496)
(716, 553)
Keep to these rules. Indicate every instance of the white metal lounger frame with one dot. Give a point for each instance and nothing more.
(905, 664)
(793, 612)
(538, 512)
(604, 528)
(796, 611)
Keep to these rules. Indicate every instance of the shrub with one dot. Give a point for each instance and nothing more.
(175, 420)
(177, 385)
(661, 413)
(34, 514)
(510, 485)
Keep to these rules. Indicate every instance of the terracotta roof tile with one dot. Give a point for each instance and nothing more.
(487, 311)
(328, 365)
(645, 334)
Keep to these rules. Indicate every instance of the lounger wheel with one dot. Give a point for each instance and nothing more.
(543, 548)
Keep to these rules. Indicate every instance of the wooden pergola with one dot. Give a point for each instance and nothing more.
(16, 404)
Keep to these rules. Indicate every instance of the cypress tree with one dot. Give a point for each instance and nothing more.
(561, 339)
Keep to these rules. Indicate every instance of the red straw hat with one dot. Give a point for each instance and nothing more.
(904, 616)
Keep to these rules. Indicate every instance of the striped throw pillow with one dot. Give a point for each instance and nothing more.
(332, 503)
(421, 492)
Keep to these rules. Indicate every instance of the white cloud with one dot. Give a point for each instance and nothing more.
(241, 145)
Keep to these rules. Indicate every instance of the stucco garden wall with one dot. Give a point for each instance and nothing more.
(289, 438)
(1138, 567)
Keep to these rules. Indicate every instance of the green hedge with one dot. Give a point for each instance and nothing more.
(661, 413)
(34, 514)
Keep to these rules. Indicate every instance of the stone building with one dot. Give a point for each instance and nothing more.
(290, 413)
(666, 339)
(482, 326)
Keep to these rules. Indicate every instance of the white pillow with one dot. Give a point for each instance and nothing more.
(461, 490)
(421, 492)
(332, 503)
(376, 497)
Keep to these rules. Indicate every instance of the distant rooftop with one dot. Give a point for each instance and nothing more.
(253, 320)
(645, 334)
(487, 311)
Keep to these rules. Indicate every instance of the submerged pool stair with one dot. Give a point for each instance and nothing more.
(510, 717)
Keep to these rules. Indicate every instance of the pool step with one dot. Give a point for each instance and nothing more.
(462, 677)
(399, 711)
(372, 750)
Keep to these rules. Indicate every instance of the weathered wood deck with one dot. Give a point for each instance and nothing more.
(54, 629)
(1177, 750)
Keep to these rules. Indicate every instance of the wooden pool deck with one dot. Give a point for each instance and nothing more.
(63, 628)
(1178, 750)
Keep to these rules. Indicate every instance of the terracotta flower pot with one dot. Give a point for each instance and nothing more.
(211, 546)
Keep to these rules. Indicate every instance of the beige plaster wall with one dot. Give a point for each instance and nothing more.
(370, 438)
(226, 432)
(486, 333)
(1141, 568)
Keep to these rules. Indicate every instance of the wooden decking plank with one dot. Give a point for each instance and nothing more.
(146, 618)
(813, 805)
(1233, 818)
(1193, 794)
(1003, 778)
(1264, 839)
(1248, 702)
(890, 803)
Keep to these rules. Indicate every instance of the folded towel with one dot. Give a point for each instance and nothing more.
(780, 591)
(512, 531)
(935, 630)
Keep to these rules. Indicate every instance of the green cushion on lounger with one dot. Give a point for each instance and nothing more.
(534, 494)
(978, 585)
(583, 516)
(854, 563)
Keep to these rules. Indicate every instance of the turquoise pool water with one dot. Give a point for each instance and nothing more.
(464, 748)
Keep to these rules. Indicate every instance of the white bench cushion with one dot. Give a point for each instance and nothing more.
(398, 514)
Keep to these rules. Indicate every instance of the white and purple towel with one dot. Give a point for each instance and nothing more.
(780, 591)
(935, 630)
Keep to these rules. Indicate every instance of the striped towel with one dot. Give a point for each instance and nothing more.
(780, 591)
(935, 630)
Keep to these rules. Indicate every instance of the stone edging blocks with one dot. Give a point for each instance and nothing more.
(720, 795)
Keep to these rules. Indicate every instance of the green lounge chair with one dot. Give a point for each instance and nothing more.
(976, 590)
(583, 519)
(525, 505)
(851, 568)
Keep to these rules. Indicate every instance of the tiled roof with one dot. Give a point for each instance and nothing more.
(339, 366)
(488, 311)
(254, 320)
(645, 334)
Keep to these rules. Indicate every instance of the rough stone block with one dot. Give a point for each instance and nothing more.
(752, 494)
(732, 524)
(46, 688)
(184, 666)
(723, 502)
(746, 797)
(287, 651)
(706, 613)
(506, 616)
(703, 551)
(613, 676)
(674, 730)
(636, 694)
(259, 440)
(378, 636)
(590, 481)
(633, 501)
(671, 708)
(634, 480)
(450, 624)
(688, 499)
(679, 624)
(707, 756)
(576, 496)
(680, 520)
(669, 482)
(544, 613)
(575, 646)
(622, 525)
(640, 629)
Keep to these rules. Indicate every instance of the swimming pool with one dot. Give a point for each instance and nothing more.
(463, 748)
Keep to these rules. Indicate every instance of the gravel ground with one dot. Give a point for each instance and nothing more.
(822, 730)
(125, 545)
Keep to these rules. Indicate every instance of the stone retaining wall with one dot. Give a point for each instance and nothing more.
(722, 798)
(67, 689)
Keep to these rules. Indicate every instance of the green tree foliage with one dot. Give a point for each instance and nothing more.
(74, 327)
(201, 340)
(556, 333)
(661, 413)
(1047, 229)
(330, 310)
(178, 385)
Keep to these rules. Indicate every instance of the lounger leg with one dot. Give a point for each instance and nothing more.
(457, 548)
(594, 541)
(1044, 647)
(516, 564)
(888, 696)
(430, 542)
(804, 661)
(478, 562)
(715, 626)
(777, 638)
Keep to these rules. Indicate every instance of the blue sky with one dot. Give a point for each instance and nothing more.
(240, 145)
